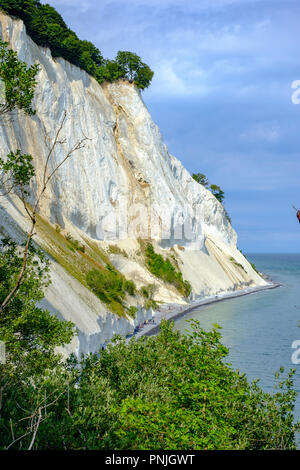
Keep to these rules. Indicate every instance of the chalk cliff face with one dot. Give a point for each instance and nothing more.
(123, 171)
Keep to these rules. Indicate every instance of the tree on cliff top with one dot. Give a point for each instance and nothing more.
(48, 29)
(134, 69)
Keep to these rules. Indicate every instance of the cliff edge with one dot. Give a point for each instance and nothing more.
(122, 187)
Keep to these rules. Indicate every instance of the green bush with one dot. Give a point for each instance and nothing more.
(130, 287)
(19, 80)
(147, 291)
(111, 287)
(254, 267)
(115, 250)
(164, 269)
(166, 392)
(106, 285)
(239, 265)
(132, 311)
(74, 244)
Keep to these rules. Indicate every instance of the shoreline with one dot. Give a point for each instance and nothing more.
(175, 311)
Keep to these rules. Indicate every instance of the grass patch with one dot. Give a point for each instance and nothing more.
(79, 263)
(115, 250)
(107, 285)
(75, 243)
(111, 287)
(164, 269)
(252, 264)
(132, 311)
(254, 267)
(239, 265)
(148, 292)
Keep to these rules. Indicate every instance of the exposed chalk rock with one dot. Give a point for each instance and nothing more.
(124, 170)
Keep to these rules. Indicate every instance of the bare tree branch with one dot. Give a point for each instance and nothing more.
(36, 427)
(33, 212)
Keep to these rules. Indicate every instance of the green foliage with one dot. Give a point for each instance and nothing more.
(129, 287)
(17, 171)
(75, 244)
(107, 285)
(252, 264)
(167, 392)
(147, 291)
(111, 287)
(217, 192)
(164, 269)
(134, 69)
(201, 179)
(132, 311)
(151, 303)
(239, 265)
(18, 79)
(254, 267)
(47, 28)
(24, 327)
(115, 250)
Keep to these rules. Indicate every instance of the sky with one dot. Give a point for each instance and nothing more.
(221, 95)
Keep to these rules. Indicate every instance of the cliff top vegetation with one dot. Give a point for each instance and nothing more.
(47, 29)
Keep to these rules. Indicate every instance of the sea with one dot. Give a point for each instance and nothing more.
(261, 329)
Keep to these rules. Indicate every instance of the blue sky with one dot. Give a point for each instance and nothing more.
(221, 96)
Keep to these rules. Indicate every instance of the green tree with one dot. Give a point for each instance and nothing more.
(201, 179)
(24, 327)
(168, 392)
(110, 71)
(19, 81)
(48, 29)
(217, 192)
(134, 69)
(16, 172)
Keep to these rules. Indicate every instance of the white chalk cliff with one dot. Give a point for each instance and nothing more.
(124, 163)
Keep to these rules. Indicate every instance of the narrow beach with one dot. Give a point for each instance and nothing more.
(174, 311)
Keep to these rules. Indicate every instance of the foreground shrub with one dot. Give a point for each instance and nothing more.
(171, 391)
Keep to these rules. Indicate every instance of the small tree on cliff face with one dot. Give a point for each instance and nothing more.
(217, 192)
(18, 82)
(134, 69)
(201, 179)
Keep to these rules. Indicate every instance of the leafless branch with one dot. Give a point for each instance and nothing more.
(32, 213)
(36, 427)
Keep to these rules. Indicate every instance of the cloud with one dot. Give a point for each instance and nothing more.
(267, 132)
(221, 95)
(81, 6)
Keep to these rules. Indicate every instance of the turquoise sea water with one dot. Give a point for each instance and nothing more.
(259, 328)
